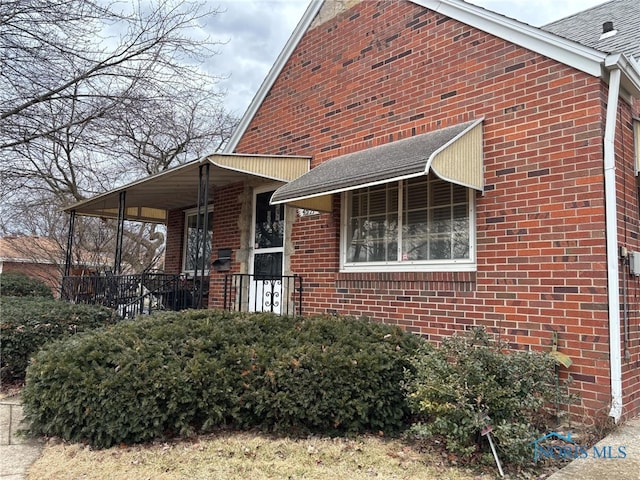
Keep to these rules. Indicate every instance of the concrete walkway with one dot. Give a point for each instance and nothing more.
(617, 457)
(17, 453)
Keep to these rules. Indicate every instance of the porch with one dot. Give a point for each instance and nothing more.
(217, 249)
(143, 294)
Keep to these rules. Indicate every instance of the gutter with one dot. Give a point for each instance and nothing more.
(613, 280)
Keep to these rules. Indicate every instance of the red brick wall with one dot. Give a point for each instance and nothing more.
(175, 242)
(227, 218)
(385, 70)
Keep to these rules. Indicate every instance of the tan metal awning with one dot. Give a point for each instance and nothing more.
(151, 198)
(453, 154)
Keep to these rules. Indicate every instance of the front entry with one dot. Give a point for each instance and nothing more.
(265, 292)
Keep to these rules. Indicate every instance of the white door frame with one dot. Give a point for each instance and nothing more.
(264, 295)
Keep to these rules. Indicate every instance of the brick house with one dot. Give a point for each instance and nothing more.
(36, 257)
(435, 165)
(43, 259)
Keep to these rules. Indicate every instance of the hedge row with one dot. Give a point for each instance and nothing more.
(27, 323)
(189, 372)
(15, 284)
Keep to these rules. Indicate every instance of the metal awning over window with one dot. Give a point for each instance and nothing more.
(452, 153)
(151, 198)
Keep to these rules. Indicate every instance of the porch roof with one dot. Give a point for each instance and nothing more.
(453, 153)
(151, 198)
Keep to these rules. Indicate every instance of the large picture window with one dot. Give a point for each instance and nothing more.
(422, 223)
(193, 248)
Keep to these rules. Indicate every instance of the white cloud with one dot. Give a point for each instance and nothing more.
(256, 31)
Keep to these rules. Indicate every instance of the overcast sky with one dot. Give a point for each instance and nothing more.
(256, 31)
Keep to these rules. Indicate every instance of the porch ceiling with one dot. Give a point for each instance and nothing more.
(151, 198)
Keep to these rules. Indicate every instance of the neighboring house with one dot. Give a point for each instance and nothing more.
(36, 257)
(43, 259)
(436, 166)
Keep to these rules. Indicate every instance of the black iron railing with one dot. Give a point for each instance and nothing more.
(259, 293)
(131, 295)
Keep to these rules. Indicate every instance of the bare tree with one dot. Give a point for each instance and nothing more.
(56, 50)
(95, 94)
(171, 133)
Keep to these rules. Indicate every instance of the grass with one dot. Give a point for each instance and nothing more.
(241, 455)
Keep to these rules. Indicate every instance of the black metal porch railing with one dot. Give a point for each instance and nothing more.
(131, 295)
(259, 293)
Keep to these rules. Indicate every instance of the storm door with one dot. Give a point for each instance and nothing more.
(267, 255)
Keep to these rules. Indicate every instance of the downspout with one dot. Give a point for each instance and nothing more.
(613, 281)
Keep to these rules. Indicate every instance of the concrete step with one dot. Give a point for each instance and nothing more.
(11, 421)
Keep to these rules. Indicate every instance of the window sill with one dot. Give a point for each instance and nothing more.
(410, 267)
(436, 281)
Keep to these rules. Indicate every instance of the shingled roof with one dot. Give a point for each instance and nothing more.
(586, 27)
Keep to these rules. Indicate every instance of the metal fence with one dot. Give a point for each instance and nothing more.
(259, 293)
(131, 295)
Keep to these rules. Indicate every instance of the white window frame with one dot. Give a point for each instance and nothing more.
(450, 265)
(187, 214)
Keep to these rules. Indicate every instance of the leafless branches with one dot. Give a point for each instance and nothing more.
(95, 94)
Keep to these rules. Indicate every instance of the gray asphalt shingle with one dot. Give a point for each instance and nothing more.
(586, 27)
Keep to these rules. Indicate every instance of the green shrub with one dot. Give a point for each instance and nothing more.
(27, 323)
(15, 284)
(329, 375)
(188, 372)
(456, 386)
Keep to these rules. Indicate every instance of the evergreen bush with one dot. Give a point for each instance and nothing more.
(179, 373)
(457, 389)
(15, 284)
(27, 323)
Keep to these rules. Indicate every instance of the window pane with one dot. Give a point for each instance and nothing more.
(459, 194)
(269, 222)
(439, 193)
(433, 223)
(357, 252)
(194, 242)
(377, 201)
(460, 232)
(415, 194)
(440, 220)
(355, 204)
(415, 225)
(440, 248)
(440, 223)
(414, 235)
(267, 265)
(373, 228)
